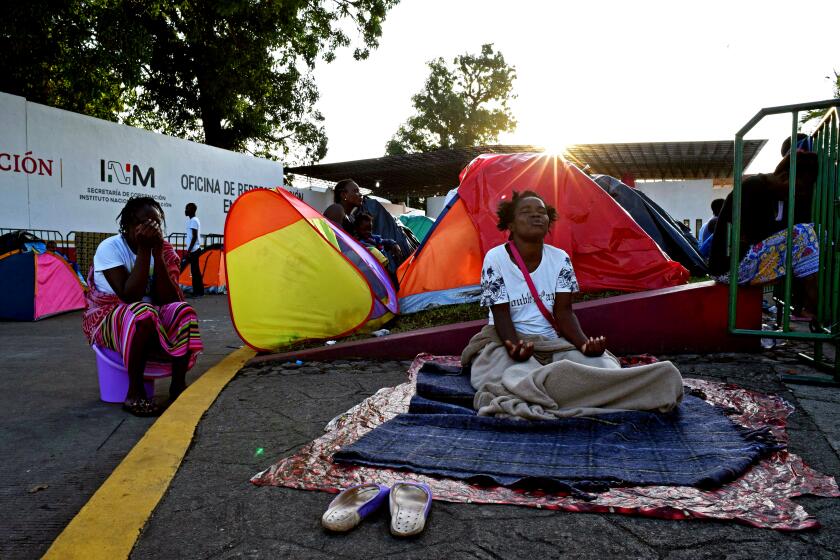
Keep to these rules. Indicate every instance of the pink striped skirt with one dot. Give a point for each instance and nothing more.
(176, 325)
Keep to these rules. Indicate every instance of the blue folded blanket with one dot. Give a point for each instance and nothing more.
(696, 445)
(445, 386)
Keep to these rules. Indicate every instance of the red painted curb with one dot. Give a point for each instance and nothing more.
(690, 318)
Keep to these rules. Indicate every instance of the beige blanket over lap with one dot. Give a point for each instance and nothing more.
(559, 381)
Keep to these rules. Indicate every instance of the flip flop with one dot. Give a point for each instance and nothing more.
(141, 407)
(410, 503)
(353, 504)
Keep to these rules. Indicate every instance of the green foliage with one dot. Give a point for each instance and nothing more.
(50, 56)
(465, 104)
(808, 116)
(447, 315)
(236, 74)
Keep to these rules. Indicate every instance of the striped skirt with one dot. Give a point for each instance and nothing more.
(176, 324)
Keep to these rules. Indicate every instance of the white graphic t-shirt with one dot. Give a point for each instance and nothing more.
(502, 282)
(193, 224)
(111, 253)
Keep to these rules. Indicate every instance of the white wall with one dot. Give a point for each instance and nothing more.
(685, 199)
(317, 198)
(396, 209)
(434, 206)
(14, 187)
(681, 199)
(64, 171)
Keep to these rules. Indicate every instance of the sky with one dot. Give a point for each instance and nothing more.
(596, 71)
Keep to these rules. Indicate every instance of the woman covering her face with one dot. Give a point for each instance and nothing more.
(135, 306)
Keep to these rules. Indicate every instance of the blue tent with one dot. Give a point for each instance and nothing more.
(385, 225)
(37, 285)
(672, 236)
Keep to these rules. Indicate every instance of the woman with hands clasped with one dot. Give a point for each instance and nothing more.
(135, 306)
(533, 360)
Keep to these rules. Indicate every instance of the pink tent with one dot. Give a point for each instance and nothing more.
(36, 286)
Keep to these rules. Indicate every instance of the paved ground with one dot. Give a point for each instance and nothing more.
(212, 511)
(58, 441)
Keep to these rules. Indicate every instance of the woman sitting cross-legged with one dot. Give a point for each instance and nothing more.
(135, 306)
(533, 361)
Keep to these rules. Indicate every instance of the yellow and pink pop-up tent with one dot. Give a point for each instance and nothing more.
(294, 275)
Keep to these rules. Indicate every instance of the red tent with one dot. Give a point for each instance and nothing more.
(609, 250)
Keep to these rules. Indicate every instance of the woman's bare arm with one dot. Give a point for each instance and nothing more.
(130, 287)
(517, 349)
(569, 328)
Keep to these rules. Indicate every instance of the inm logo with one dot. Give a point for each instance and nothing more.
(128, 174)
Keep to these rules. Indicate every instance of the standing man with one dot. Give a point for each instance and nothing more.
(193, 231)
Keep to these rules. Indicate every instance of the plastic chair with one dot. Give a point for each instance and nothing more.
(113, 376)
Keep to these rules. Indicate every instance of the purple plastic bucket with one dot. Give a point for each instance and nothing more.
(113, 377)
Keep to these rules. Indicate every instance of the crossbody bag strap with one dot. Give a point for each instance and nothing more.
(527, 275)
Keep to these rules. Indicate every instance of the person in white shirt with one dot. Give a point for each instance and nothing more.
(193, 229)
(505, 292)
(535, 362)
(135, 306)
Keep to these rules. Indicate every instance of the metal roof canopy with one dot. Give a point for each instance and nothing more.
(436, 172)
(423, 174)
(713, 159)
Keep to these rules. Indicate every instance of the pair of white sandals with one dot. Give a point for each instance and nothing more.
(408, 502)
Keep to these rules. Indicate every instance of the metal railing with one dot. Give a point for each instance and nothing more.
(824, 215)
(70, 244)
(179, 240)
(68, 241)
(213, 239)
(43, 234)
(79, 247)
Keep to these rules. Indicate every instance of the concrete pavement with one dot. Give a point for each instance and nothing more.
(212, 511)
(58, 441)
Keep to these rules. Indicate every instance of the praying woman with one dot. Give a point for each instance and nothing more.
(533, 361)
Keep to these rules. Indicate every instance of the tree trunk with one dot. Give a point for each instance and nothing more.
(211, 120)
(213, 133)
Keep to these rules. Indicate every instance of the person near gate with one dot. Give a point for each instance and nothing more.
(193, 231)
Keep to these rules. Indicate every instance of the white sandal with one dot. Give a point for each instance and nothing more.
(410, 503)
(353, 504)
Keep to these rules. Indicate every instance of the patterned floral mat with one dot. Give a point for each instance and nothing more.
(760, 498)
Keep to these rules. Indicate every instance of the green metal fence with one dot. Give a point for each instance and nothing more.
(825, 214)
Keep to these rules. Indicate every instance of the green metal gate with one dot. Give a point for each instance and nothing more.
(825, 214)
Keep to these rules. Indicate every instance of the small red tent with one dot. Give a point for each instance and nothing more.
(609, 250)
